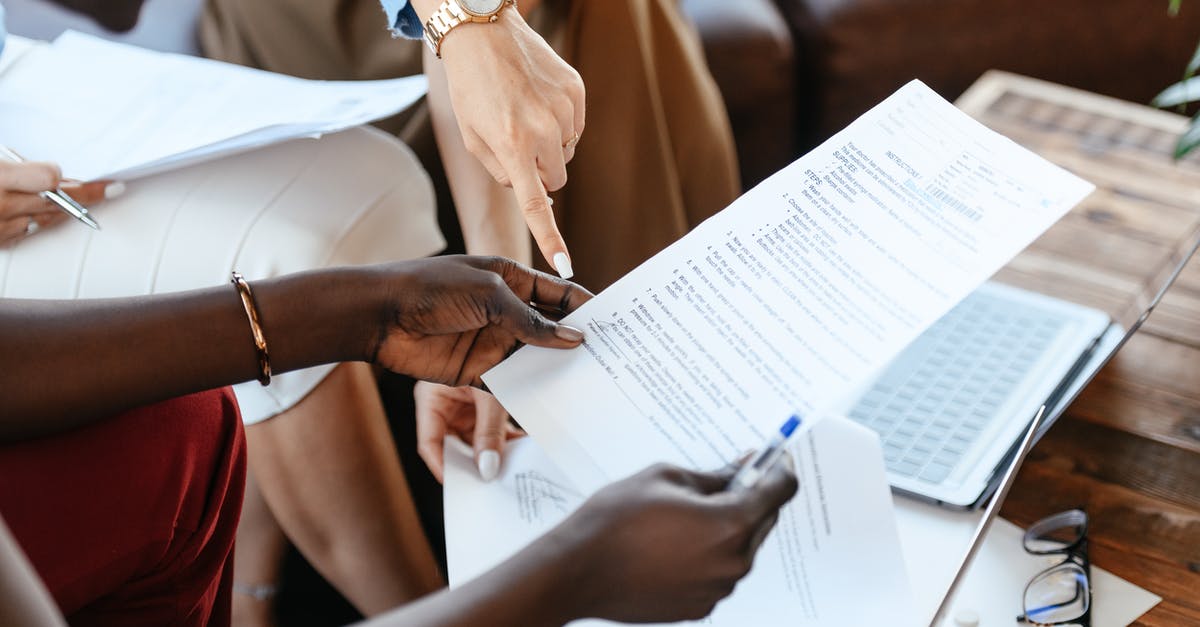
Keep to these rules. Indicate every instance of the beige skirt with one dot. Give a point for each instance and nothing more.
(356, 197)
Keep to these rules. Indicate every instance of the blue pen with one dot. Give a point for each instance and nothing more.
(753, 470)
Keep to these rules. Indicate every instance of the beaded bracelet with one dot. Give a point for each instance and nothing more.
(260, 341)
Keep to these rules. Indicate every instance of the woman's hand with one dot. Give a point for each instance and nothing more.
(450, 319)
(521, 110)
(473, 415)
(667, 544)
(23, 211)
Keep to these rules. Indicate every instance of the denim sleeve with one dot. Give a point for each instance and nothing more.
(402, 18)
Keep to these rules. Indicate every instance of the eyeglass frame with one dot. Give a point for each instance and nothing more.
(1075, 553)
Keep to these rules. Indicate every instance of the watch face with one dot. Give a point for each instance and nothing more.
(481, 7)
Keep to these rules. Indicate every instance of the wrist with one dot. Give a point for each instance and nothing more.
(425, 8)
(324, 316)
(575, 563)
(479, 37)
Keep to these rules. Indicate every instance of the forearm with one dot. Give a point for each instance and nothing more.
(487, 211)
(65, 363)
(542, 586)
(425, 8)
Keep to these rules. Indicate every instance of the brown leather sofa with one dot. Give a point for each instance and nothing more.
(795, 71)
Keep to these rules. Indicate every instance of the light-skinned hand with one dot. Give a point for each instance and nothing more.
(20, 204)
(473, 415)
(520, 109)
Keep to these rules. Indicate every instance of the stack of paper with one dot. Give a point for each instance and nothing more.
(104, 110)
(788, 301)
(834, 543)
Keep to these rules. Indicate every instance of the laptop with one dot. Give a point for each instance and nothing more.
(951, 409)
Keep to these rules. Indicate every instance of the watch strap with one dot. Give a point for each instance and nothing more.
(450, 15)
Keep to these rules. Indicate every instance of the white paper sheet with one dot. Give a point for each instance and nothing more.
(107, 110)
(486, 522)
(835, 542)
(935, 539)
(997, 578)
(15, 47)
(791, 297)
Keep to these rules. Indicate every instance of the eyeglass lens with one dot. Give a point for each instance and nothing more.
(1056, 533)
(1059, 594)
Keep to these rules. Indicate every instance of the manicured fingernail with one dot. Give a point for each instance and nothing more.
(489, 465)
(570, 334)
(562, 263)
(114, 190)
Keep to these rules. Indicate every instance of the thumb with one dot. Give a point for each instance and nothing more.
(530, 327)
(771, 492)
(491, 430)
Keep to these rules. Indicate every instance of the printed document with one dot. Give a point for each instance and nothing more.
(834, 557)
(788, 300)
(105, 110)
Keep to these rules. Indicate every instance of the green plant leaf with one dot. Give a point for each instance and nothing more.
(1189, 140)
(1180, 93)
(1193, 65)
(1173, 7)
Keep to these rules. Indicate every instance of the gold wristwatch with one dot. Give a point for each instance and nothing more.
(453, 13)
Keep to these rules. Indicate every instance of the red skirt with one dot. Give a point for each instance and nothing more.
(131, 521)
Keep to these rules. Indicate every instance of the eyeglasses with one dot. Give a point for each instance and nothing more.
(1061, 594)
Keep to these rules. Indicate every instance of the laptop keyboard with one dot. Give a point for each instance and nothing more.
(941, 394)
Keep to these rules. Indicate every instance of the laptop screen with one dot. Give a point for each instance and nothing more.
(993, 508)
(1125, 324)
(1126, 320)
(1153, 291)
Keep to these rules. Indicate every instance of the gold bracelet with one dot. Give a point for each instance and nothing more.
(260, 341)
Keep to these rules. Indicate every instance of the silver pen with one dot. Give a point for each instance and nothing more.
(57, 196)
(765, 458)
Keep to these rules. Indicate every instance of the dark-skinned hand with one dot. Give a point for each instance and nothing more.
(453, 318)
(115, 15)
(667, 544)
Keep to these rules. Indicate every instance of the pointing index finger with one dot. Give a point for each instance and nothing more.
(539, 215)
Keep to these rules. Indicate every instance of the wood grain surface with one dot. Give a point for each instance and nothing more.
(1128, 450)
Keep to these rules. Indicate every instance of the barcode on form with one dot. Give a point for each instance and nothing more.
(948, 199)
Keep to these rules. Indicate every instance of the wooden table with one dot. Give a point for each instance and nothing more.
(1128, 450)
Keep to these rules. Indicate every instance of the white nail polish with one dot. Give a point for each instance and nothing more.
(489, 465)
(114, 190)
(563, 264)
